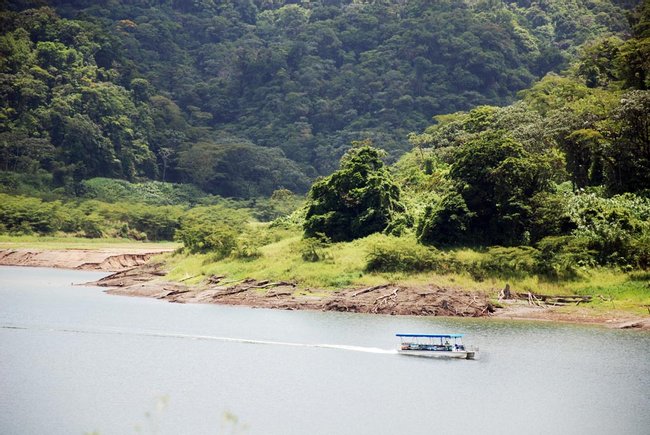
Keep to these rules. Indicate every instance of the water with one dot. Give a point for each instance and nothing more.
(74, 360)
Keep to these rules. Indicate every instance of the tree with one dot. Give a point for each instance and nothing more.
(627, 156)
(447, 224)
(497, 178)
(357, 200)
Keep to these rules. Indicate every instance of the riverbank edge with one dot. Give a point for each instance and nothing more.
(135, 274)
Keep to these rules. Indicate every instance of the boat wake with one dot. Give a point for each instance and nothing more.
(144, 333)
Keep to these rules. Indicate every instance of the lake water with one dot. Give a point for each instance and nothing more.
(74, 360)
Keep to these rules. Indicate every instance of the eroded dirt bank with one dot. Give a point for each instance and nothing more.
(107, 259)
(136, 275)
(384, 299)
(431, 300)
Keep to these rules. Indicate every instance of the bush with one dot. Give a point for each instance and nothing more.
(211, 229)
(401, 254)
(446, 224)
(152, 192)
(505, 262)
(616, 229)
(20, 214)
(312, 249)
(357, 200)
(158, 223)
(91, 226)
(561, 258)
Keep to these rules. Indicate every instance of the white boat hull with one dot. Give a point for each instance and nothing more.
(458, 354)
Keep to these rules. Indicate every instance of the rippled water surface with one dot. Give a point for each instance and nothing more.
(74, 360)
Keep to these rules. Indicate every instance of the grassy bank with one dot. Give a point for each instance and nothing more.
(68, 242)
(279, 254)
(285, 256)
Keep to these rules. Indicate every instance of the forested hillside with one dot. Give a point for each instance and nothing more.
(241, 98)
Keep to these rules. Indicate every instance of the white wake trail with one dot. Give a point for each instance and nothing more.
(144, 333)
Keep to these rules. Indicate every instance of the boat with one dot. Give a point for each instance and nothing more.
(436, 346)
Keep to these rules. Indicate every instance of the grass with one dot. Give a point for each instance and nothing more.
(67, 242)
(343, 265)
(281, 261)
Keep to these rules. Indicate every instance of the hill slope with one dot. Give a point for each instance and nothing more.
(244, 97)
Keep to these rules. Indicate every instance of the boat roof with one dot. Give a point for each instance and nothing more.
(431, 335)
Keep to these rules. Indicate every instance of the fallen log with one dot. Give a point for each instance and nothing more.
(230, 293)
(368, 290)
(384, 297)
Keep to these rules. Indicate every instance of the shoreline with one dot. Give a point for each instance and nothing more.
(134, 274)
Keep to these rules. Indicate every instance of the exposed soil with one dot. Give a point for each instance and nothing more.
(429, 300)
(614, 319)
(108, 259)
(385, 299)
(135, 275)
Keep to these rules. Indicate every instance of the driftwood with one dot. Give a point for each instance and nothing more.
(472, 302)
(505, 293)
(384, 297)
(278, 294)
(170, 293)
(260, 285)
(266, 284)
(539, 299)
(542, 300)
(229, 293)
(215, 279)
(368, 290)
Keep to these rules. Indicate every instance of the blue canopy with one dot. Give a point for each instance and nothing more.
(430, 335)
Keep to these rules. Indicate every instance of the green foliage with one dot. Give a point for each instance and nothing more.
(152, 192)
(135, 90)
(23, 215)
(281, 204)
(357, 200)
(497, 178)
(401, 254)
(563, 257)
(505, 263)
(447, 224)
(627, 155)
(211, 229)
(617, 229)
(94, 219)
(240, 169)
(313, 249)
(555, 259)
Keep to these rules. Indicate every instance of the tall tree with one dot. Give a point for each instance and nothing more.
(357, 200)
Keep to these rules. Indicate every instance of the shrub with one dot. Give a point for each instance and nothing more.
(158, 223)
(616, 228)
(505, 262)
(403, 254)
(151, 192)
(214, 229)
(91, 226)
(445, 224)
(20, 214)
(357, 200)
(562, 257)
(312, 249)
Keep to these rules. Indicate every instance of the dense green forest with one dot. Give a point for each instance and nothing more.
(550, 181)
(241, 98)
